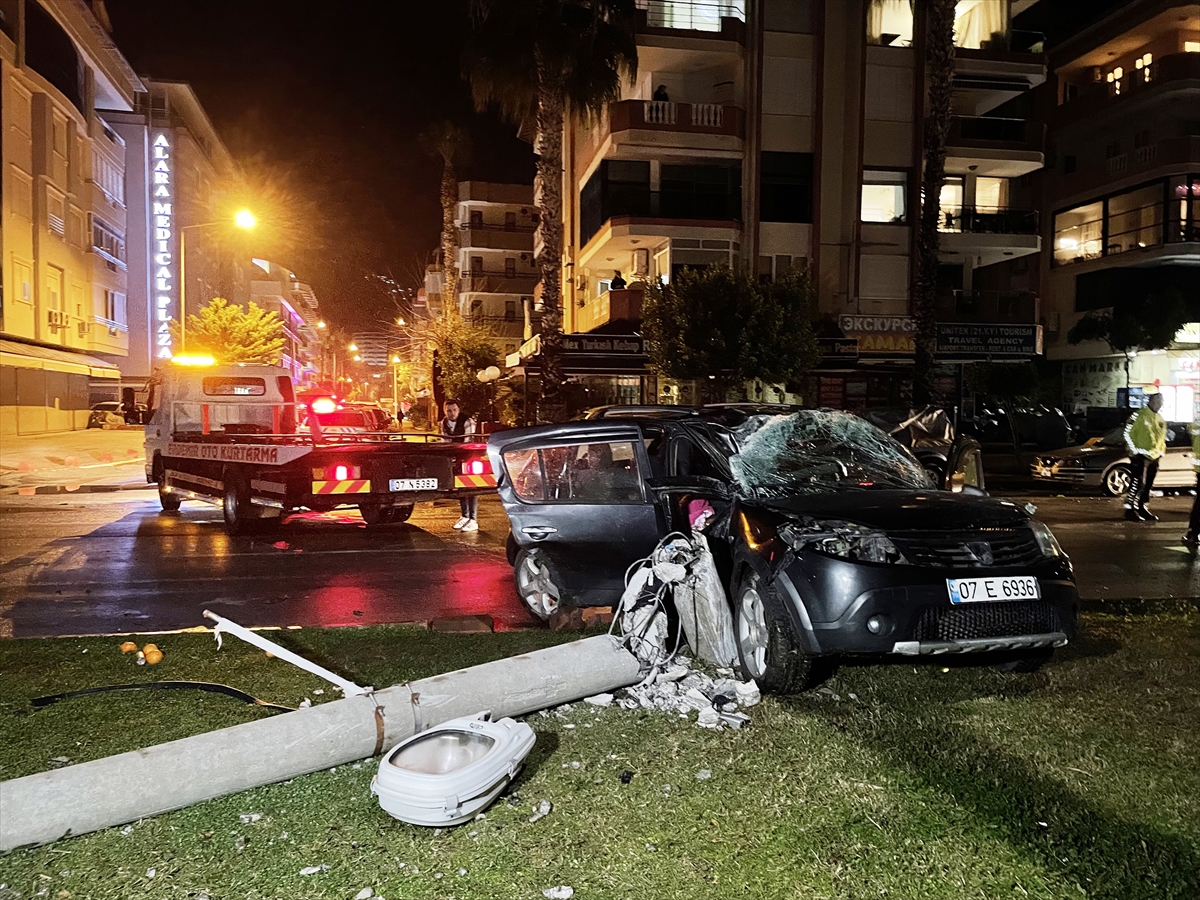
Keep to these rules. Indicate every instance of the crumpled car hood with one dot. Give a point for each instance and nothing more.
(900, 510)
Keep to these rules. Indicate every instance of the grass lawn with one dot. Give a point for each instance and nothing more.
(895, 782)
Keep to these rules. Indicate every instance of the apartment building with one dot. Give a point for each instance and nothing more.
(277, 289)
(1123, 197)
(787, 134)
(497, 274)
(183, 190)
(63, 211)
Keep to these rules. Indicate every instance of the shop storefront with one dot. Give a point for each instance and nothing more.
(601, 370)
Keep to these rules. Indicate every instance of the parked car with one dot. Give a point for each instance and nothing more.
(341, 421)
(101, 411)
(1012, 437)
(830, 536)
(1103, 463)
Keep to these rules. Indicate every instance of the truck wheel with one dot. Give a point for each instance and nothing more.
(374, 513)
(400, 513)
(170, 502)
(239, 514)
(768, 647)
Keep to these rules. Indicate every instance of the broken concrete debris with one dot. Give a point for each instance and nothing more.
(562, 892)
(682, 690)
(542, 810)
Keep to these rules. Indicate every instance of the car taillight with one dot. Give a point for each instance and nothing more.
(477, 467)
(337, 473)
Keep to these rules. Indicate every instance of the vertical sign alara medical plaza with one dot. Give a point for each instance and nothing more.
(163, 214)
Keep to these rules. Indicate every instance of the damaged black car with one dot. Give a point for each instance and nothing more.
(831, 539)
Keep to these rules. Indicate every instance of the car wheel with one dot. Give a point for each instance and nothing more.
(535, 585)
(1026, 662)
(767, 645)
(168, 501)
(239, 514)
(1116, 480)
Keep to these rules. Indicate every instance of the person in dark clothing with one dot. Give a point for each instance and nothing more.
(454, 428)
(618, 283)
(660, 94)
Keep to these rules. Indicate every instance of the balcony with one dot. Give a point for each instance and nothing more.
(988, 235)
(680, 118)
(496, 237)
(720, 19)
(1172, 155)
(1163, 75)
(623, 306)
(965, 220)
(992, 307)
(479, 282)
(995, 148)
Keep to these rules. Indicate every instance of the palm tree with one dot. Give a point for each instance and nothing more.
(939, 75)
(448, 142)
(549, 59)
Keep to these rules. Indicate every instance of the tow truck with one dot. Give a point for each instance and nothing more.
(229, 435)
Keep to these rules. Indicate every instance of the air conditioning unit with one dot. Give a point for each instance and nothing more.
(85, 328)
(641, 261)
(57, 318)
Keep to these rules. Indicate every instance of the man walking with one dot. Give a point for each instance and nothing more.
(1192, 538)
(455, 427)
(1146, 442)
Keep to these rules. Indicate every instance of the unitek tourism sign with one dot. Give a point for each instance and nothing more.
(894, 337)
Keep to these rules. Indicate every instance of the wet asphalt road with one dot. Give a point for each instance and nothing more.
(112, 563)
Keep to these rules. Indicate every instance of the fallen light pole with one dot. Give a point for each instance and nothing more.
(129, 786)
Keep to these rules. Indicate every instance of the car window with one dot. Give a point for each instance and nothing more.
(578, 473)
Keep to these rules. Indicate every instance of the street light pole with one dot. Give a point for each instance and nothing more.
(243, 219)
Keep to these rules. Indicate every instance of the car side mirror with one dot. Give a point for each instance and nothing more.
(970, 490)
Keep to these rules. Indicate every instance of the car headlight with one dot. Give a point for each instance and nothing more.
(845, 540)
(1045, 539)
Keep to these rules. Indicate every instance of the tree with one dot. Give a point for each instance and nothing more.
(939, 76)
(463, 349)
(448, 142)
(551, 59)
(722, 327)
(1148, 321)
(234, 334)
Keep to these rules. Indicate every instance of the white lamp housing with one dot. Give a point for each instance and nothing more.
(450, 772)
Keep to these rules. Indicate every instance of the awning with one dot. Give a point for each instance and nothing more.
(35, 356)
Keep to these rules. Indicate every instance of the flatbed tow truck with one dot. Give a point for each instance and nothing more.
(229, 435)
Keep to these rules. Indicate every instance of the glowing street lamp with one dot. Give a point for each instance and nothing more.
(353, 348)
(321, 324)
(400, 321)
(242, 219)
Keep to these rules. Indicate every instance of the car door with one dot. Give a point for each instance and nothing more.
(1175, 468)
(576, 497)
(964, 467)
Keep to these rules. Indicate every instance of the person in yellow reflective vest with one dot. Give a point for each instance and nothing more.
(1146, 442)
(1192, 538)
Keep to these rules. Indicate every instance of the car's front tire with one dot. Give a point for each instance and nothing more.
(535, 585)
(768, 647)
(1116, 480)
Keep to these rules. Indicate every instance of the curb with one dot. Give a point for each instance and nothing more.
(31, 490)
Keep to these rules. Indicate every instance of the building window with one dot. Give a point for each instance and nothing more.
(884, 197)
(22, 279)
(510, 310)
(1191, 46)
(890, 23)
(510, 221)
(978, 24)
(1135, 219)
(476, 265)
(991, 194)
(107, 240)
(50, 52)
(1079, 234)
(510, 267)
(22, 193)
(950, 204)
(787, 187)
(55, 212)
(109, 177)
(114, 307)
(476, 218)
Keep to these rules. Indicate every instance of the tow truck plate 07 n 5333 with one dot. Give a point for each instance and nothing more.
(413, 484)
(970, 590)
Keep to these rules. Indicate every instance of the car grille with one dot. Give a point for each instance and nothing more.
(970, 549)
(987, 620)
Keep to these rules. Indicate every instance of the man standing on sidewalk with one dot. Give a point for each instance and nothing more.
(1192, 538)
(455, 427)
(1146, 442)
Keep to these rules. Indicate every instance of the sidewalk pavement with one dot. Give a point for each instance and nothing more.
(71, 459)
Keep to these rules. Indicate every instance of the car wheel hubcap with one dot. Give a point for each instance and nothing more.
(752, 633)
(1118, 481)
(537, 588)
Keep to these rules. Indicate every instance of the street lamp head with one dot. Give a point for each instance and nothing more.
(400, 321)
(358, 359)
(245, 219)
(321, 324)
(395, 359)
(353, 348)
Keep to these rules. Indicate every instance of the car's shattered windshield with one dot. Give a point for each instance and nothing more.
(820, 450)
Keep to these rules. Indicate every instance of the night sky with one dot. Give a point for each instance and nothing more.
(324, 103)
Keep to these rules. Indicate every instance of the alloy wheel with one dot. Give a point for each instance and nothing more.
(752, 633)
(536, 587)
(1116, 482)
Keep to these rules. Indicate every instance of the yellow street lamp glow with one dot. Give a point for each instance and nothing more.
(321, 324)
(353, 348)
(358, 359)
(184, 360)
(245, 219)
(395, 359)
(401, 321)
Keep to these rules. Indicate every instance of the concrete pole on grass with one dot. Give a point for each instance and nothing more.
(90, 796)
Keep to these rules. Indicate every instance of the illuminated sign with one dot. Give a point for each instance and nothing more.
(162, 199)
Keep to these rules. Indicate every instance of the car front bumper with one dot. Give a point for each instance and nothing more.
(1066, 476)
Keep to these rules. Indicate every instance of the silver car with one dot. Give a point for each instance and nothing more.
(1103, 463)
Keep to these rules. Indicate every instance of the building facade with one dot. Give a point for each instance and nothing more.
(497, 276)
(64, 213)
(278, 290)
(787, 134)
(1123, 199)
